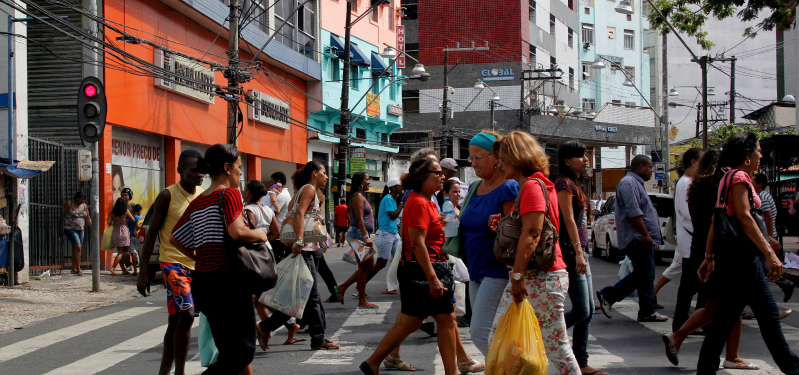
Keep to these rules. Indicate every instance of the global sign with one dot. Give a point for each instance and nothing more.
(497, 74)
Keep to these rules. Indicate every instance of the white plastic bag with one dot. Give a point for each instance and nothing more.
(391, 276)
(293, 287)
(459, 270)
(626, 268)
(349, 257)
(460, 299)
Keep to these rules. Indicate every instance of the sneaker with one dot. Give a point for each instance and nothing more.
(671, 351)
(603, 304)
(656, 317)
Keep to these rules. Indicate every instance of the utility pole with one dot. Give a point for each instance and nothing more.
(233, 83)
(703, 64)
(445, 132)
(665, 152)
(344, 126)
(95, 185)
(732, 88)
(491, 104)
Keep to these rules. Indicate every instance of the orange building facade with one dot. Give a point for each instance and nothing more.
(148, 125)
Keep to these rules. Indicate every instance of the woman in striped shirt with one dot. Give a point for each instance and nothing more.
(199, 234)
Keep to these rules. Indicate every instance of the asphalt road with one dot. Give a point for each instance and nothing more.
(126, 338)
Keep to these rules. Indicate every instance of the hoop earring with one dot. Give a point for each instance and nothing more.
(747, 162)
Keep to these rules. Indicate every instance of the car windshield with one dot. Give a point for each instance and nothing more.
(664, 206)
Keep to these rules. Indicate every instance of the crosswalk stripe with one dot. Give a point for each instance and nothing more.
(346, 354)
(35, 343)
(103, 360)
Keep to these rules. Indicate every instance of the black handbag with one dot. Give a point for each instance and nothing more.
(729, 240)
(255, 262)
(412, 271)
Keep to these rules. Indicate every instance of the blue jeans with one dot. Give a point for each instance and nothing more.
(581, 294)
(642, 279)
(484, 296)
(75, 237)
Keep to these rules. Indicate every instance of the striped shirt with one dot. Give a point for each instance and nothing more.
(200, 229)
(769, 205)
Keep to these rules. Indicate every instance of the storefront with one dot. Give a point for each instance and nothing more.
(137, 162)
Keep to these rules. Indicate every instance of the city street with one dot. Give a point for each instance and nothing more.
(126, 338)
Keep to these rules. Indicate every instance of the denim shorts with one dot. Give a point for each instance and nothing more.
(386, 244)
(354, 234)
(75, 237)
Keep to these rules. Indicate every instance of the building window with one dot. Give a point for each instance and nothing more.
(532, 57)
(589, 105)
(629, 17)
(630, 72)
(571, 38)
(587, 73)
(411, 11)
(571, 4)
(588, 33)
(630, 104)
(611, 32)
(384, 138)
(587, 10)
(410, 101)
(532, 11)
(355, 76)
(571, 78)
(335, 70)
(552, 25)
(360, 133)
(375, 83)
(375, 15)
(587, 3)
(629, 39)
(391, 16)
(553, 63)
(299, 32)
(614, 102)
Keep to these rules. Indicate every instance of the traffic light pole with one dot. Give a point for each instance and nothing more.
(11, 269)
(233, 83)
(95, 186)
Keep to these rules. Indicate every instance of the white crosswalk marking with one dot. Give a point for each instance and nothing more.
(346, 354)
(35, 343)
(471, 350)
(105, 359)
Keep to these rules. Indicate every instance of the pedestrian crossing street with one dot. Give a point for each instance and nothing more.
(358, 332)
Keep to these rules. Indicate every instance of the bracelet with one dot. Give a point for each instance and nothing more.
(575, 244)
(710, 256)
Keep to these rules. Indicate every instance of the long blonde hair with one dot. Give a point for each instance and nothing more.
(523, 152)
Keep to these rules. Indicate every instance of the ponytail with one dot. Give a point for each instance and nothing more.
(216, 157)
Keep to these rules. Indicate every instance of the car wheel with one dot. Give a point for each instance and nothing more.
(613, 253)
(597, 251)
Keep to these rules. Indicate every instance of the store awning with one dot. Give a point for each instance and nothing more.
(378, 66)
(358, 57)
(24, 169)
(336, 43)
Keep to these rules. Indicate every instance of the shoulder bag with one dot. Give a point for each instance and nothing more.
(730, 243)
(452, 246)
(255, 262)
(412, 271)
(509, 230)
(314, 224)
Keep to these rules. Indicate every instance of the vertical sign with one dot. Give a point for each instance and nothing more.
(373, 105)
(357, 160)
(401, 46)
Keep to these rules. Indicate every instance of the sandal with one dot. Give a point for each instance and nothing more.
(397, 363)
(740, 366)
(263, 339)
(293, 341)
(369, 306)
(327, 345)
(748, 315)
(386, 291)
(470, 366)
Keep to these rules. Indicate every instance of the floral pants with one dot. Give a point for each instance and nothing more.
(546, 292)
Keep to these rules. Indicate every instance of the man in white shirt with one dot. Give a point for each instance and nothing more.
(689, 281)
(278, 200)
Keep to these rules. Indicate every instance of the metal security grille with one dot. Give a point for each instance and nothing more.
(49, 248)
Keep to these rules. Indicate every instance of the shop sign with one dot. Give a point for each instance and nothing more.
(374, 168)
(269, 110)
(401, 46)
(373, 105)
(357, 160)
(357, 152)
(185, 72)
(497, 74)
(136, 163)
(395, 110)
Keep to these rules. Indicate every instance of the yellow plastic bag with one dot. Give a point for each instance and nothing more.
(108, 238)
(517, 347)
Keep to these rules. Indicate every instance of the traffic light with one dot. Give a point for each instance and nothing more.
(92, 109)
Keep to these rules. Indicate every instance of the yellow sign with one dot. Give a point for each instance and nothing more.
(373, 105)
(357, 165)
(673, 132)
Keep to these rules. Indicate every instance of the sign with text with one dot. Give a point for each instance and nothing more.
(187, 73)
(269, 110)
(357, 160)
(660, 171)
(373, 105)
(357, 152)
(137, 150)
(401, 46)
(395, 110)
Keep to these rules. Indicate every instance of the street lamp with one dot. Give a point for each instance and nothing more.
(598, 64)
(628, 83)
(624, 7)
(480, 85)
(673, 92)
(391, 53)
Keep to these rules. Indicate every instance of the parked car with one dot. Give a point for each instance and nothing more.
(603, 233)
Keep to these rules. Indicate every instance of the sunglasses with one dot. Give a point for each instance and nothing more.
(438, 172)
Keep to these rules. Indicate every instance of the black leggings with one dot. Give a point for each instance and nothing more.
(231, 316)
(327, 276)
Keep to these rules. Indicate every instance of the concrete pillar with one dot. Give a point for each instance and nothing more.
(106, 196)
(253, 167)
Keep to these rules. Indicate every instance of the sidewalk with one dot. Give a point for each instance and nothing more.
(791, 245)
(64, 294)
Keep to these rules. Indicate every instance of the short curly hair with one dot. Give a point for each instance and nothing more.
(417, 173)
(523, 152)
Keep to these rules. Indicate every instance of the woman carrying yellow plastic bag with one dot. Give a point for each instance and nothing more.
(517, 347)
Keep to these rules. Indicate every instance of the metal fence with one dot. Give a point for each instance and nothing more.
(48, 247)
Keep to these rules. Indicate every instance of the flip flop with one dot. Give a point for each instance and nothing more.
(738, 366)
(339, 294)
(293, 341)
(386, 291)
(370, 306)
(748, 315)
(366, 369)
(397, 363)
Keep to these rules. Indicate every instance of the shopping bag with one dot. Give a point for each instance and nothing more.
(460, 299)
(362, 251)
(294, 283)
(459, 270)
(205, 341)
(517, 347)
(108, 238)
(626, 268)
(392, 283)
(349, 257)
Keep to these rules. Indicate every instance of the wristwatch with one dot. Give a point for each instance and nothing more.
(299, 242)
(710, 256)
(517, 276)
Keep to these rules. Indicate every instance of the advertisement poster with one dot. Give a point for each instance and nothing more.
(136, 160)
(373, 105)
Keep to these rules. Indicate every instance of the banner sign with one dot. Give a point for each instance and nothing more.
(185, 70)
(395, 110)
(373, 106)
(401, 46)
(357, 160)
(269, 110)
(136, 163)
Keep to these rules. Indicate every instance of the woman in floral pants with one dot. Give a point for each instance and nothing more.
(524, 160)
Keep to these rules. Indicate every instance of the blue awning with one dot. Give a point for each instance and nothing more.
(336, 43)
(21, 173)
(359, 58)
(378, 66)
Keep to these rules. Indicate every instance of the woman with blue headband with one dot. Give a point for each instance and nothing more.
(490, 195)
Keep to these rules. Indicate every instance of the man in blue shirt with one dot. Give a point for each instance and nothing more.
(638, 231)
(387, 238)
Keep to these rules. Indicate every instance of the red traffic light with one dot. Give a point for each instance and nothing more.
(90, 90)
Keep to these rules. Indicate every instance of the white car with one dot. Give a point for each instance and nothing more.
(603, 233)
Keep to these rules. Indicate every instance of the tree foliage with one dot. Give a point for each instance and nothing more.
(689, 16)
